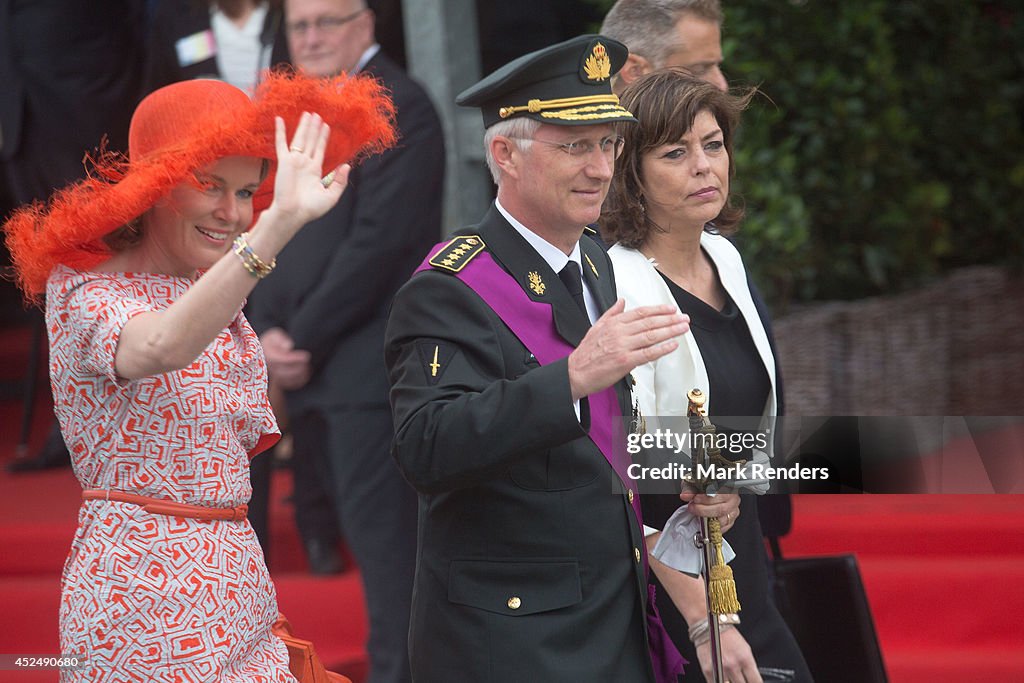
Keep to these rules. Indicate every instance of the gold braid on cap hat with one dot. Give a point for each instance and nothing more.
(536, 106)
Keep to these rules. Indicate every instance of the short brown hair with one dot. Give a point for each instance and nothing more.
(665, 103)
(648, 27)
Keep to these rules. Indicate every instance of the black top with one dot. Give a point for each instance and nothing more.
(738, 386)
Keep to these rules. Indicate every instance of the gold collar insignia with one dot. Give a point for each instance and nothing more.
(536, 283)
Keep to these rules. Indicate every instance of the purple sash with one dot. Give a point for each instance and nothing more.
(533, 323)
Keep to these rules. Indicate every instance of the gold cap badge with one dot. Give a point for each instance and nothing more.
(598, 67)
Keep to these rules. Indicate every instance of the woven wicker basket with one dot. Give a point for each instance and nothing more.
(951, 348)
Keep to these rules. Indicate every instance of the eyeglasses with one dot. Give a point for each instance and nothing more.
(322, 24)
(611, 147)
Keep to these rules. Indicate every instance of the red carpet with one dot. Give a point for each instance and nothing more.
(944, 574)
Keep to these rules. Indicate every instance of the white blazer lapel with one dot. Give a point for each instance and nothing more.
(734, 279)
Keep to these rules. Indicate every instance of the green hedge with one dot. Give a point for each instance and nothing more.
(888, 146)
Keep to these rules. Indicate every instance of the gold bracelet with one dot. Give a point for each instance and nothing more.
(258, 264)
(241, 247)
(252, 263)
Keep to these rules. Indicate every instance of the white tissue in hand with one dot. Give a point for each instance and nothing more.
(675, 546)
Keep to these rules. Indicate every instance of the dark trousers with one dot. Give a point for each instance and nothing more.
(377, 515)
(315, 513)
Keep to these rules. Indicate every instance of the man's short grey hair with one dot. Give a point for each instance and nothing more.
(647, 27)
(520, 129)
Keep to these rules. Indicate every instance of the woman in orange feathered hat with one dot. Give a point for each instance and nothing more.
(159, 383)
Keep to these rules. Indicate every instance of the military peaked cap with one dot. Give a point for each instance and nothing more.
(568, 84)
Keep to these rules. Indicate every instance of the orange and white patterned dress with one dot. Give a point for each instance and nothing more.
(149, 597)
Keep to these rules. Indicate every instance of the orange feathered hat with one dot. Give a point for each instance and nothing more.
(176, 131)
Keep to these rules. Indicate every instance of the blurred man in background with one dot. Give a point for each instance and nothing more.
(321, 318)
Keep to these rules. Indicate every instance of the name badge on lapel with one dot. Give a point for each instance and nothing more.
(196, 48)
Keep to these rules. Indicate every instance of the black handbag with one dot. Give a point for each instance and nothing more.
(823, 601)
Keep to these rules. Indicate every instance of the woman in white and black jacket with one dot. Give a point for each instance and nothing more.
(230, 40)
(667, 213)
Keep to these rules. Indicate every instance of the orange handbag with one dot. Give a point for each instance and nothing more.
(303, 661)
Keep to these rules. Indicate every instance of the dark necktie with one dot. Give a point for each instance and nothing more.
(573, 281)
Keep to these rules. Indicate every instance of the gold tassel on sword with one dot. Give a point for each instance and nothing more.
(718, 579)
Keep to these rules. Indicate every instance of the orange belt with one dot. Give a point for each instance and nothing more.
(170, 508)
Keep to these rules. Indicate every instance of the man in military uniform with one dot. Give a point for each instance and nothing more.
(507, 371)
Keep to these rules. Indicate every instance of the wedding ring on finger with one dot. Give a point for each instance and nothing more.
(328, 179)
(295, 148)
